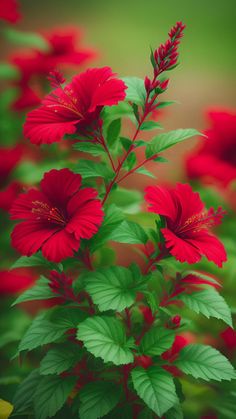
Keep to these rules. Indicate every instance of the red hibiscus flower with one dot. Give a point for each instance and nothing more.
(215, 158)
(56, 217)
(70, 109)
(63, 50)
(9, 11)
(186, 234)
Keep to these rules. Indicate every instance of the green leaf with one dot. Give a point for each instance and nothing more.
(23, 397)
(98, 399)
(164, 104)
(122, 110)
(169, 139)
(202, 361)
(35, 260)
(128, 200)
(41, 332)
(112, 288)
(130, 162)
(175, 413)
(51, 394)
(157, 340)
(40, 291)
(209, 303)
(113, 132)
(155, 387)
(26, 39)
(89, 169)
(129, 232)
(113, 217)
(150, 125)
(9, 72)
(136, 92)
(90, 148)
(143, 171)
(105, 337)
(60, 359)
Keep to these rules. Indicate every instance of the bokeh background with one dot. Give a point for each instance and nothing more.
(122, 33)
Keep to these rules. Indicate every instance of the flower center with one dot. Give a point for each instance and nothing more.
(202, 220)
(44, 212)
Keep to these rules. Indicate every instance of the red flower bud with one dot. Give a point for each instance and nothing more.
(147, 315)
(147, 84)
(176, 320)
(144, 361)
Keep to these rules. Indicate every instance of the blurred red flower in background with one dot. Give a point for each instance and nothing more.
(9, 158)
(9, 11)
(215, 157)
(72, 108)
(17, 280)
(57, 217)
(186, 234)
(62, 48)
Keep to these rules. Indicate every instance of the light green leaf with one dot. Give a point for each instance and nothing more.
(157, 340)
(51, 394)
(202, 361)
(26, 39)
(169, 139)
(113, 132)
(112, 288)
(89, 169)
(98, 399)
(150, 125)
(144, 171)
(105, 337)
(155, 387)
(113, 217)
(129, 232)
(136, 92)
(60, 359)
(90, 148)
(209, 303)
(35, 260)
(40, 291)
(9, 72)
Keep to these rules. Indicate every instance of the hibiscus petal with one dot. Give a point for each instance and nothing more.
(60, 185)
(182, 250)
(23, 204)
(86, 213)
(189, 202)
(45, 125)
(162, 202)
(28, 236)
(59, 246)
(209, 246)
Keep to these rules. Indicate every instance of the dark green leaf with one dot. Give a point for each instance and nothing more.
(40, 291)
(60, 359)
(98, 399)
(51, 394)
(155, 387)
(35, 260)
(9, 72)
(23, 397)
(105, 337)
(157, 340)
